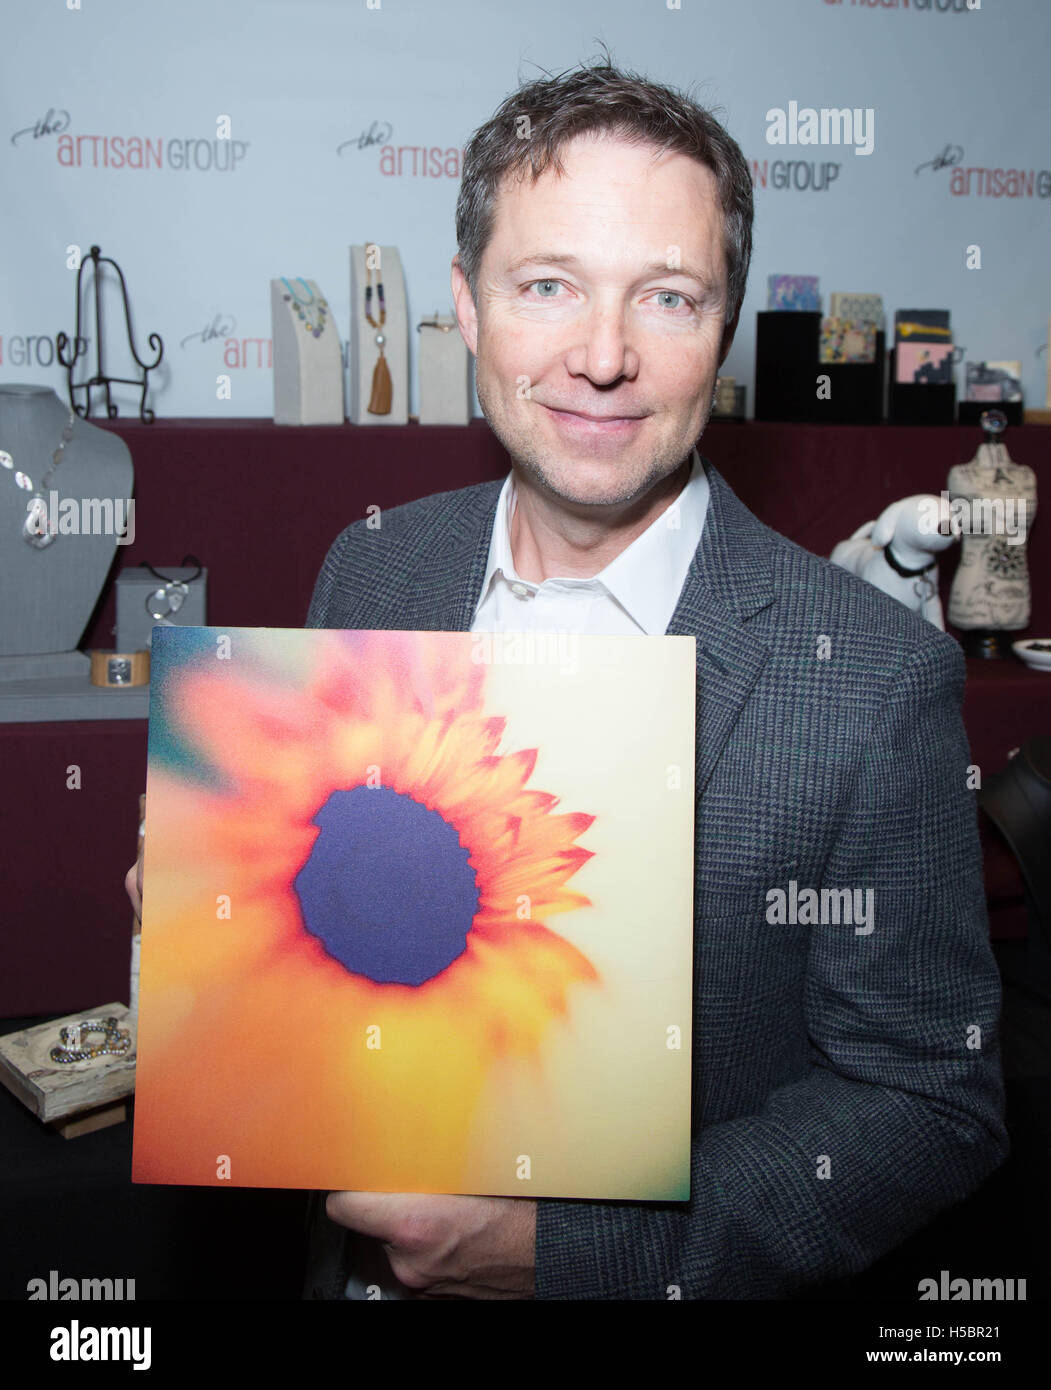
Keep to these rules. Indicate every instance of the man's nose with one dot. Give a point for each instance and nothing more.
(604, 351)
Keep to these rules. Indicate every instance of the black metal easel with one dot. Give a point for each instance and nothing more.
(62, 342)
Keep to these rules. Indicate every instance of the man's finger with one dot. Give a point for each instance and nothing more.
(369, 1213)
(133, 887)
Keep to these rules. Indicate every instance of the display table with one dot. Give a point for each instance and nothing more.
(259, 505)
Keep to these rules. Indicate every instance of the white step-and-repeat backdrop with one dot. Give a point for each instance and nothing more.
(211, 145)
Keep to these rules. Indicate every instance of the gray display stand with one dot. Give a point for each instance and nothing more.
(49, 594)
(308, 369)
(363, 336)
(444, 372)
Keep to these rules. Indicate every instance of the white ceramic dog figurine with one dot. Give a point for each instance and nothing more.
(904, 537)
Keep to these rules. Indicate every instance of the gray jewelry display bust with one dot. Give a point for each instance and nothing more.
(49, 593)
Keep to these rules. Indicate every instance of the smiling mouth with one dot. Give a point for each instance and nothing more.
(594, 424)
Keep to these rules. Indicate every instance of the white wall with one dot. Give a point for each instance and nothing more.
(303, 80)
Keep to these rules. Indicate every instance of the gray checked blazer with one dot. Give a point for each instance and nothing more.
(846, 1087)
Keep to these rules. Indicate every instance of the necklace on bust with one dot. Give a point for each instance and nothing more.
(36, 529)
(379, 401)
(311, 312)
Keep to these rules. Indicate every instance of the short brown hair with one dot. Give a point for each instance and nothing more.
(591, 99)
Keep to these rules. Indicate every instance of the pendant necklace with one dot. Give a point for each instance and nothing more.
(36, 530)
(379, 402)
(312, 319)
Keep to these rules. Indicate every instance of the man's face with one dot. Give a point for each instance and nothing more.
(601, 293)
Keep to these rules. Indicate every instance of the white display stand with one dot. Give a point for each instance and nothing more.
(363, 349)
(308, 370)
(444, 372)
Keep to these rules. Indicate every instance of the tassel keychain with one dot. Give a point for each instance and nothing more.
(379, 402)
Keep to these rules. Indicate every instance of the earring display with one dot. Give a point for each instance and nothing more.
(444, 372)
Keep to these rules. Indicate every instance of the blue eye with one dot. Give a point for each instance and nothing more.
(674, 294)
(552, 283)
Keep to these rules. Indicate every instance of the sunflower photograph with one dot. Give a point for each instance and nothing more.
(418, 913)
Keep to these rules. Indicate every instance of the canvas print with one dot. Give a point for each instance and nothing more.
(922, 326)
(993, 381)
(862, 308)
(418, 913)
(847, 340)
(793, 292)
(920, 363)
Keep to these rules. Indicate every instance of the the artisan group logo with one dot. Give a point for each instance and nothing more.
(983, 181)
(796, 175)
(403, 161)
(217, 153)
(916, 6)
(33, 349)
(795, 124)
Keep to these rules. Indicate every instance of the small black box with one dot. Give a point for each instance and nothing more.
(920, 403)
(855, 390)
(786, 365)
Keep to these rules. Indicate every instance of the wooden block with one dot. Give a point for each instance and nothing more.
(90, 1120)
(55, 1090)
(1038, 417)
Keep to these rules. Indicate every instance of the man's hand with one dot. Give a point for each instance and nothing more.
(465, 1247)
(133, 884)
(133, 878)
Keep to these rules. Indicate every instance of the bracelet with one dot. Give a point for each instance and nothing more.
(117, 1040)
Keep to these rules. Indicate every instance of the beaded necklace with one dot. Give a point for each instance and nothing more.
(302, 305)
(382, 390)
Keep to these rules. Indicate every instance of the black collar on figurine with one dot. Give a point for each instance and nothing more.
(899, 568)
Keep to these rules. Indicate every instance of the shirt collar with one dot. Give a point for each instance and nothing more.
(646, 579)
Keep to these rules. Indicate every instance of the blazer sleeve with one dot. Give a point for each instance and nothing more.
(327, 583)
(900, 1112)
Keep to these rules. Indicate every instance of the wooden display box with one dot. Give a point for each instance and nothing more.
(74, 1097)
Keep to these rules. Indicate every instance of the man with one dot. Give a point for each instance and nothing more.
(846, 1083)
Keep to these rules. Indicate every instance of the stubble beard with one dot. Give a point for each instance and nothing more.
(532, 459)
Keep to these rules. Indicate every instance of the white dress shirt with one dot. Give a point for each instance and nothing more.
(636, 593)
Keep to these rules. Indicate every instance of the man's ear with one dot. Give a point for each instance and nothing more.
(728, 337)
(466, 314)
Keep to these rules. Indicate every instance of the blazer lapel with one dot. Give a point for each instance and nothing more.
(728, 582)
